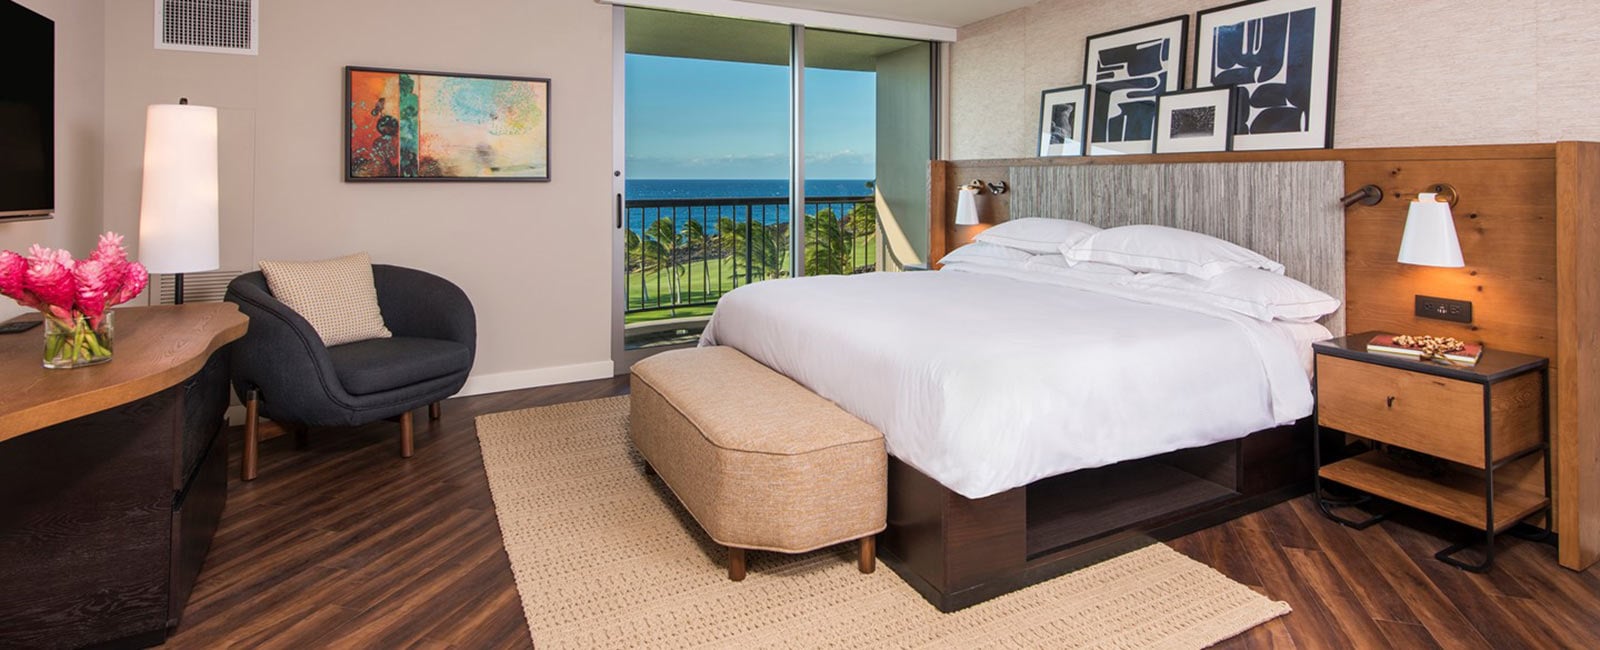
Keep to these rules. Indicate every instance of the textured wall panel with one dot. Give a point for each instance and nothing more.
(1286, 211)
(1410, 72)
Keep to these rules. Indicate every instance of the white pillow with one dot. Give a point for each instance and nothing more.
(1253, 292)
(986, 254)
(1037, 235)
(1167, 250)
(1093, 270)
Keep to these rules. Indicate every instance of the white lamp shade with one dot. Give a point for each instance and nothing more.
(1430, 238)
(178, 210)
(967, 207)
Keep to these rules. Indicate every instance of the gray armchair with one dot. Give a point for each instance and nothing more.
(282, 371)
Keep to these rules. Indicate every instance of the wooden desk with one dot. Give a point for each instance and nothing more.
(112, 478)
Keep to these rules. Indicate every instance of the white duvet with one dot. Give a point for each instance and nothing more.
(992, 379)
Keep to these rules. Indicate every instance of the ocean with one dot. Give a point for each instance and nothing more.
(651, 189)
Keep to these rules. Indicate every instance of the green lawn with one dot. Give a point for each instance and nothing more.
(705, 281)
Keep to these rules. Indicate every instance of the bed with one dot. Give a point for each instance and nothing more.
(1037, 424)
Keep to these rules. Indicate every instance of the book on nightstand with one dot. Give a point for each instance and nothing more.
(1384, 344)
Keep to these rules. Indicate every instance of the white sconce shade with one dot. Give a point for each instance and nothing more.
(178, 209)
(1430, 238)
(967, 207)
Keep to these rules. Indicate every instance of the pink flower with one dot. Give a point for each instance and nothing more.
(134, 281)
(92, 277)
(13, 275)
(110, 250)
(51, 280)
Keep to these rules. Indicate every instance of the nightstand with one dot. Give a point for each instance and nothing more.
(1439, 431)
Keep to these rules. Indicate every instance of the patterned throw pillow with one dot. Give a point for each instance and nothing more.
(336, 296)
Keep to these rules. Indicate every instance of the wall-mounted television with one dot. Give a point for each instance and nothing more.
(27, 113)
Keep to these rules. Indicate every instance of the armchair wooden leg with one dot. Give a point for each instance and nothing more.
(252, 435)
(735, 564)
(405, 434)
(869, 554)
(435, 411)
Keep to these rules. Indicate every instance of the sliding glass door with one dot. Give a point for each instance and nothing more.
(754, 151)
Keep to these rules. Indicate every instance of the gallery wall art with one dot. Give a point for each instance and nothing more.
(1196, 120)
(1279, 56)
(1128, 69)
(403, 125)
(1062, 120)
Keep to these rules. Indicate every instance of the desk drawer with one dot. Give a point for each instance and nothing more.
(1434, 415)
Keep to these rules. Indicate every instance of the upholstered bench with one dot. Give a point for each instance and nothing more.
(761, 462)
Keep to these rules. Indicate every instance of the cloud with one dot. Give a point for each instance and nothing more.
(827, 164)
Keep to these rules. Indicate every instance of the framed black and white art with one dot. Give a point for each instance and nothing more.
(1196, 120)
(1279, 56)
(1063, 113)
(1128, 69)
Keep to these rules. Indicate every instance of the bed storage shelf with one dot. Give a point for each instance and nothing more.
(958, 552)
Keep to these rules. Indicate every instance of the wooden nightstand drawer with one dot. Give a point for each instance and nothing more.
(1435, 415)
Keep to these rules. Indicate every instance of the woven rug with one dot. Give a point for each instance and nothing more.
(604, 557)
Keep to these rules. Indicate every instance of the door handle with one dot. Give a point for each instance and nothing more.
(619, 212)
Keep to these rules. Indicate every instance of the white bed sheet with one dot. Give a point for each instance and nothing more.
(990, 379)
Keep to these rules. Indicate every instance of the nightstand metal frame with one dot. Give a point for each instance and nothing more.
(1447, 555)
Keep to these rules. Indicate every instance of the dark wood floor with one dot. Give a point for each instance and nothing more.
(344, 544)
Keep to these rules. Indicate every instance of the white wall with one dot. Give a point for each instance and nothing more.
(534, 257)
(1410, 72)
(80, 79)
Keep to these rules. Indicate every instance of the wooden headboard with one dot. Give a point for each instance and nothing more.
(1280, 209)
(1529, 224)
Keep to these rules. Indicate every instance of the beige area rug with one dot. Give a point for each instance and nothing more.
(605, 558)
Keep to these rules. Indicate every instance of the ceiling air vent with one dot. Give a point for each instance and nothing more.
(221, 26)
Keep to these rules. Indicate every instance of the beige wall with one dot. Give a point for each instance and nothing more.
(534, 257)
(80, 78)
(1410, 72)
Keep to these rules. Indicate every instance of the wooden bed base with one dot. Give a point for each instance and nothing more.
(958, 552)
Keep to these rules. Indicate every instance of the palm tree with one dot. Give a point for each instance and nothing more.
(730, 241)
(695, 240)
(828, 251)
(661, 239)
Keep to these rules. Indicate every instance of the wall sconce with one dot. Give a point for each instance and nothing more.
(1368, 195)
(967, 200)
(1430, 236)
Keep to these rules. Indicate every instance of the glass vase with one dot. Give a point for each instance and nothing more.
(75, 344)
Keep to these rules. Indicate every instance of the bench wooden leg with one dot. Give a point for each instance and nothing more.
(869, 554)
(405, 435)
(252, 436)
(435, 411)
(735, 564)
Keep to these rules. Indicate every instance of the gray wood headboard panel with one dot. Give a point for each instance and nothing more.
(1288, 211)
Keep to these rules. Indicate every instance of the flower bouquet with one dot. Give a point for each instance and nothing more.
(74, 296)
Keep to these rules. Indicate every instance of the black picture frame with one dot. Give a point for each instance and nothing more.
(1221, 102)
(1137, 118)
(1323, 70)
(1072, 144)
(350, 127)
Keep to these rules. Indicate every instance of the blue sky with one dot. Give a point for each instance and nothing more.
(692, 118)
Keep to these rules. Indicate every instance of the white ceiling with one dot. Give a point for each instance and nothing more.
(948, 13)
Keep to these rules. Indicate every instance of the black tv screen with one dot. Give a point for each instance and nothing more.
(27, 112)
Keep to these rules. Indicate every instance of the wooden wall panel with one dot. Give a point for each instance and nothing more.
(1529, 224)
(1577, 386)
(1506, 223)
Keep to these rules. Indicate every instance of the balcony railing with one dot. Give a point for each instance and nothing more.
(684, 254)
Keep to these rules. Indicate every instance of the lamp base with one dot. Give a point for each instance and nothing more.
(177, 288)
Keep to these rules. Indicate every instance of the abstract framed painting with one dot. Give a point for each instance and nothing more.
(1128, 69)
(1195, 120)
(406, 125)
(1279, 55)
(1062, 116)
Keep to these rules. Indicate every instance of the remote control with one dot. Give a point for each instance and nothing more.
(18, 326)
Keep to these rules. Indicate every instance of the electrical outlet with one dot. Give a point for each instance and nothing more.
(1458, 311)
